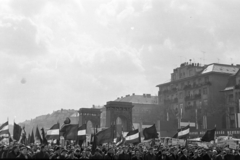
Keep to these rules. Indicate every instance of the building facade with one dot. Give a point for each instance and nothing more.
(193, 95)
(232, 96)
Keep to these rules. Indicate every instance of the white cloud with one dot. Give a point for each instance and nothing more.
(77, 53)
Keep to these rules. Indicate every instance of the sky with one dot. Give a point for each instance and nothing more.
(73, 54)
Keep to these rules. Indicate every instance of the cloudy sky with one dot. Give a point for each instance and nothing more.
(75, 53)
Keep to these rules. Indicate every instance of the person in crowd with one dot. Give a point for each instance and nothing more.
(24, 153)
(42, 154)
(57, 152)
(150, 155)
(124, 155)
(137, 155)
(110, 154)
(14, 152)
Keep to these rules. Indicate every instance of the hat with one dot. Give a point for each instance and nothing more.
(64, 150)
(56, 148)
(23, 147)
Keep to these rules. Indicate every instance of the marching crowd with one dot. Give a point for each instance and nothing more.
(126, 152)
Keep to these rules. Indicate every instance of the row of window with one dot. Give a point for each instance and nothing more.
(192, 82)
(189, 93)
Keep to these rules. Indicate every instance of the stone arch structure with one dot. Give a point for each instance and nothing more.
(89, 116)
(119, 110)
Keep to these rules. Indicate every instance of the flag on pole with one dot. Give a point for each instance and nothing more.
(17, 131)
(82, 131)
(38, 136)
(29, 139)
(53, 132)
(32, 140)
(23, 136)
(69, 132)
(4, 129)
(104, 136)
(133, 137)
(183, 133)
(150, 133)
(209, 135)
(44, 140)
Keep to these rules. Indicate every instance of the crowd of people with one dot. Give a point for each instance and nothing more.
(126, 152)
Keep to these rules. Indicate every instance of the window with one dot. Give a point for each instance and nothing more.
(206, 79)
(205, 102)
(205, 92)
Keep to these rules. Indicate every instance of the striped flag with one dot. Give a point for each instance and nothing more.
(4, 129)
(82, 131)
(53, 132)
(183, 133)
(133, 137)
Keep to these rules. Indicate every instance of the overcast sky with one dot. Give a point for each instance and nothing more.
(71, 54)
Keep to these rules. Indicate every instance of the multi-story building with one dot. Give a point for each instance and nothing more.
(193, 94)
(232, 98)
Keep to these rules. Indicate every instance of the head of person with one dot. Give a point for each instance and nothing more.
(151, 150)
(110, 151)
(57, 150)
(64, 152)
(214, 152)
(24, 150)
(44, 148)
(77, 152)
(15, 149)
(185, 152)
(224, 153)
(125, 150)
(137, 153)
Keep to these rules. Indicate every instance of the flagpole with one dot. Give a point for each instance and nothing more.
(8, 131)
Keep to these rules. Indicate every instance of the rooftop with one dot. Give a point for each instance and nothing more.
(142, 99)
(213, 68)
(221, 68)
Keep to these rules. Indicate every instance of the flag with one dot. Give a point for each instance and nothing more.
(38, 136)
(93, 140)
(29, 139)
(133, 137)
(120, 141)
(150, 133)
(4, 129)
(53, 132)
(82, 131)
(23, 136)
(67, 121)
(104, 136)
(17, 130)
(69, 132)
(175, 135)
(209, 135)
(32, 140)
(44, 140)
(183, 133)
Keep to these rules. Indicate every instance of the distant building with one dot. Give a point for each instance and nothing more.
(146, 108)
(193, 94)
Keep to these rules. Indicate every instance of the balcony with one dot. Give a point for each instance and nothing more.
(237, 86)
(194, 85)
(194, 97)
(189, 107)
(168, 101)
